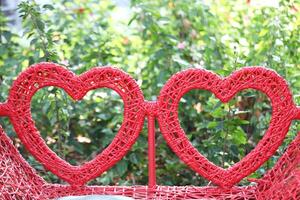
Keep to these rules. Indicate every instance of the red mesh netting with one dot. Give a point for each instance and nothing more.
(18, 180)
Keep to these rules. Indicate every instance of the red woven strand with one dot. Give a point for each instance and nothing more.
(18, 180)
(298, 114)
(4, 110)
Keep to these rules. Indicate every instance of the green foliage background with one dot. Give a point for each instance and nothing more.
(159, 38)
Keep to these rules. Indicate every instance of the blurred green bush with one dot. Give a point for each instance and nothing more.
(158, 39)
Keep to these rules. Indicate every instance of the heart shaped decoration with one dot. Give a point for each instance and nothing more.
(48, 74)
(258, 78)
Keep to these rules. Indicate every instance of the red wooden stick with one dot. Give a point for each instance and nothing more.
(151, 151)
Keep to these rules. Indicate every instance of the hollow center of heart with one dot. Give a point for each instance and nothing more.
(77, 130)
(224, 132)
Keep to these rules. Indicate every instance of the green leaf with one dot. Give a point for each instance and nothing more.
(133, 158)
(40, 25)
(212, 124)
(239, 136)
(30, 34)
(48, 6)
(7, 35)
(122, 167)
(181, 62)
(32, 42)
(132, 19)
(218, 113)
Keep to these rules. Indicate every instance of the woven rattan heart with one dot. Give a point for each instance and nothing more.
(47, 74)
(267, 81)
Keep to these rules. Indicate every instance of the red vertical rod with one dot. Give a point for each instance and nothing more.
(151, 151)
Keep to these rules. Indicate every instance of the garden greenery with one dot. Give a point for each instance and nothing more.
(156, 40)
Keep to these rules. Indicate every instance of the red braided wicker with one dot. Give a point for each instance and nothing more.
(18, 180)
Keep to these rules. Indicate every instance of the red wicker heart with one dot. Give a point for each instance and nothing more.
(267, 81)
(47, 74)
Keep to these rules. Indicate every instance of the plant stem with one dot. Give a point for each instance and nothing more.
(42, 38)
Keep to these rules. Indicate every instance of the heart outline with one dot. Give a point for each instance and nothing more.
(48, 74)
(245, 78)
